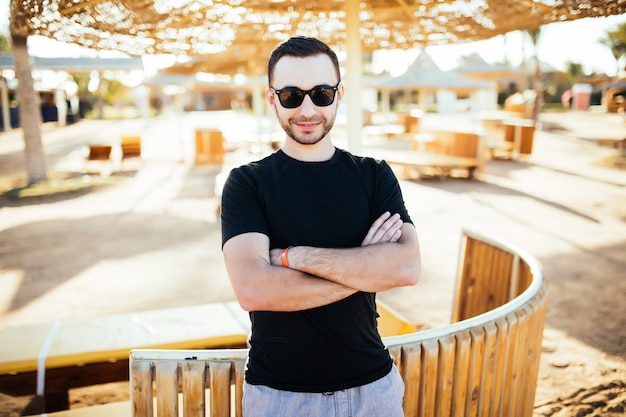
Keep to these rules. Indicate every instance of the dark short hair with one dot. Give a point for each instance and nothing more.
(302, 47)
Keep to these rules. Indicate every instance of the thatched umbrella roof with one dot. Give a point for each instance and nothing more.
(476, 67)
(424, 74)
(197, 27)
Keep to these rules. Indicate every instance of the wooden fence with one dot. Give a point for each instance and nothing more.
(485, 363)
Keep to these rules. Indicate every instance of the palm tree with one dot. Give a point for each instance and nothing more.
(5, 45)
(575, 71)
(29, 108)
(5, 48)
(616, 40)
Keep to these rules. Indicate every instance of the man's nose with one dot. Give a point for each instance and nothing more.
(307, 107)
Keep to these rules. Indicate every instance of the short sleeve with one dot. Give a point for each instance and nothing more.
(241, 206)
(389, 194)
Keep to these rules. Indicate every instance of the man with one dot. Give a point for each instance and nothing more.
(309, 235)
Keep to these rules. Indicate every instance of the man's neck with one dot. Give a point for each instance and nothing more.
(319, 152)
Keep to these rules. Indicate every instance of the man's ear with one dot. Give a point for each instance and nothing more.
(340, 92)
(270, 96)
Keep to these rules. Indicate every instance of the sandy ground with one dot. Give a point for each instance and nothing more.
(153, 241)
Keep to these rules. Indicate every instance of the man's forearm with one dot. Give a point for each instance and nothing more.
(291, 290)
(369, 268)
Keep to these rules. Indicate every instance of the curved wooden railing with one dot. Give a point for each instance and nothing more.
(485, 363)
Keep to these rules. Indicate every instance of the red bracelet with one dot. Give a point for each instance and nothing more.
(283, 257)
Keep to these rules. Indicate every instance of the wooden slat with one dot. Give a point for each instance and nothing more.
(463, 280)
(475, 371)
(484, 280)
(471, 288)
(219, 385)
(461, 374)
(525, 277)
(532, 357)
(539, 317)
(488, 372)
(166, 375)
(141, 388)
(498, 283)
(194, 397)
(411, 374)
(514, 277)
(501, 364)
(479, 268)
(472, 257)
(487, 285)
(535, 312)
(239, 366)
(430, 364)
(502, 278)
(525, 356)
(510, 374)
(396, 354)
(520, 363)
(445, 377)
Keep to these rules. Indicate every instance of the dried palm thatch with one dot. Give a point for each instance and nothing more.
(197, 27)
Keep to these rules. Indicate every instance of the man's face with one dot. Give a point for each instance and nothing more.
(308, 123)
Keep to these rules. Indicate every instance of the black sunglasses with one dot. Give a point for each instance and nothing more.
(292, 97)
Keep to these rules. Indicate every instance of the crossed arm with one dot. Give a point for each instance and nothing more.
(388, 257)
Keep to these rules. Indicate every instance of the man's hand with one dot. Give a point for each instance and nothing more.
(386, 228)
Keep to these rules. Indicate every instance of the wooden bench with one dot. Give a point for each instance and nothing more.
(392, 126)
(411, 123)
(49, 359)
(438, 153)
(130, 146)
(510, 138)
(484, 363)
(99, 153)
(427, 164)
(618, 143)
(209, 146)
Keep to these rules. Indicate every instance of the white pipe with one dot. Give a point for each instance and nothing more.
(353, 76)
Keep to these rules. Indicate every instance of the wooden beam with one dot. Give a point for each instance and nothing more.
(68, 11)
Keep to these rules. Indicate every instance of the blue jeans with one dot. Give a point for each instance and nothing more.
(381, 398)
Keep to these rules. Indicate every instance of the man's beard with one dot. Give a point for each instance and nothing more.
(307, 138)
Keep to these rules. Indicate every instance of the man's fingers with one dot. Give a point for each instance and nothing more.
(374, 228)
(384, 229)
(388, 230)
(396, 236)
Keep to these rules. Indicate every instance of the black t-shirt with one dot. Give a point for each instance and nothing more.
(328, 204)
